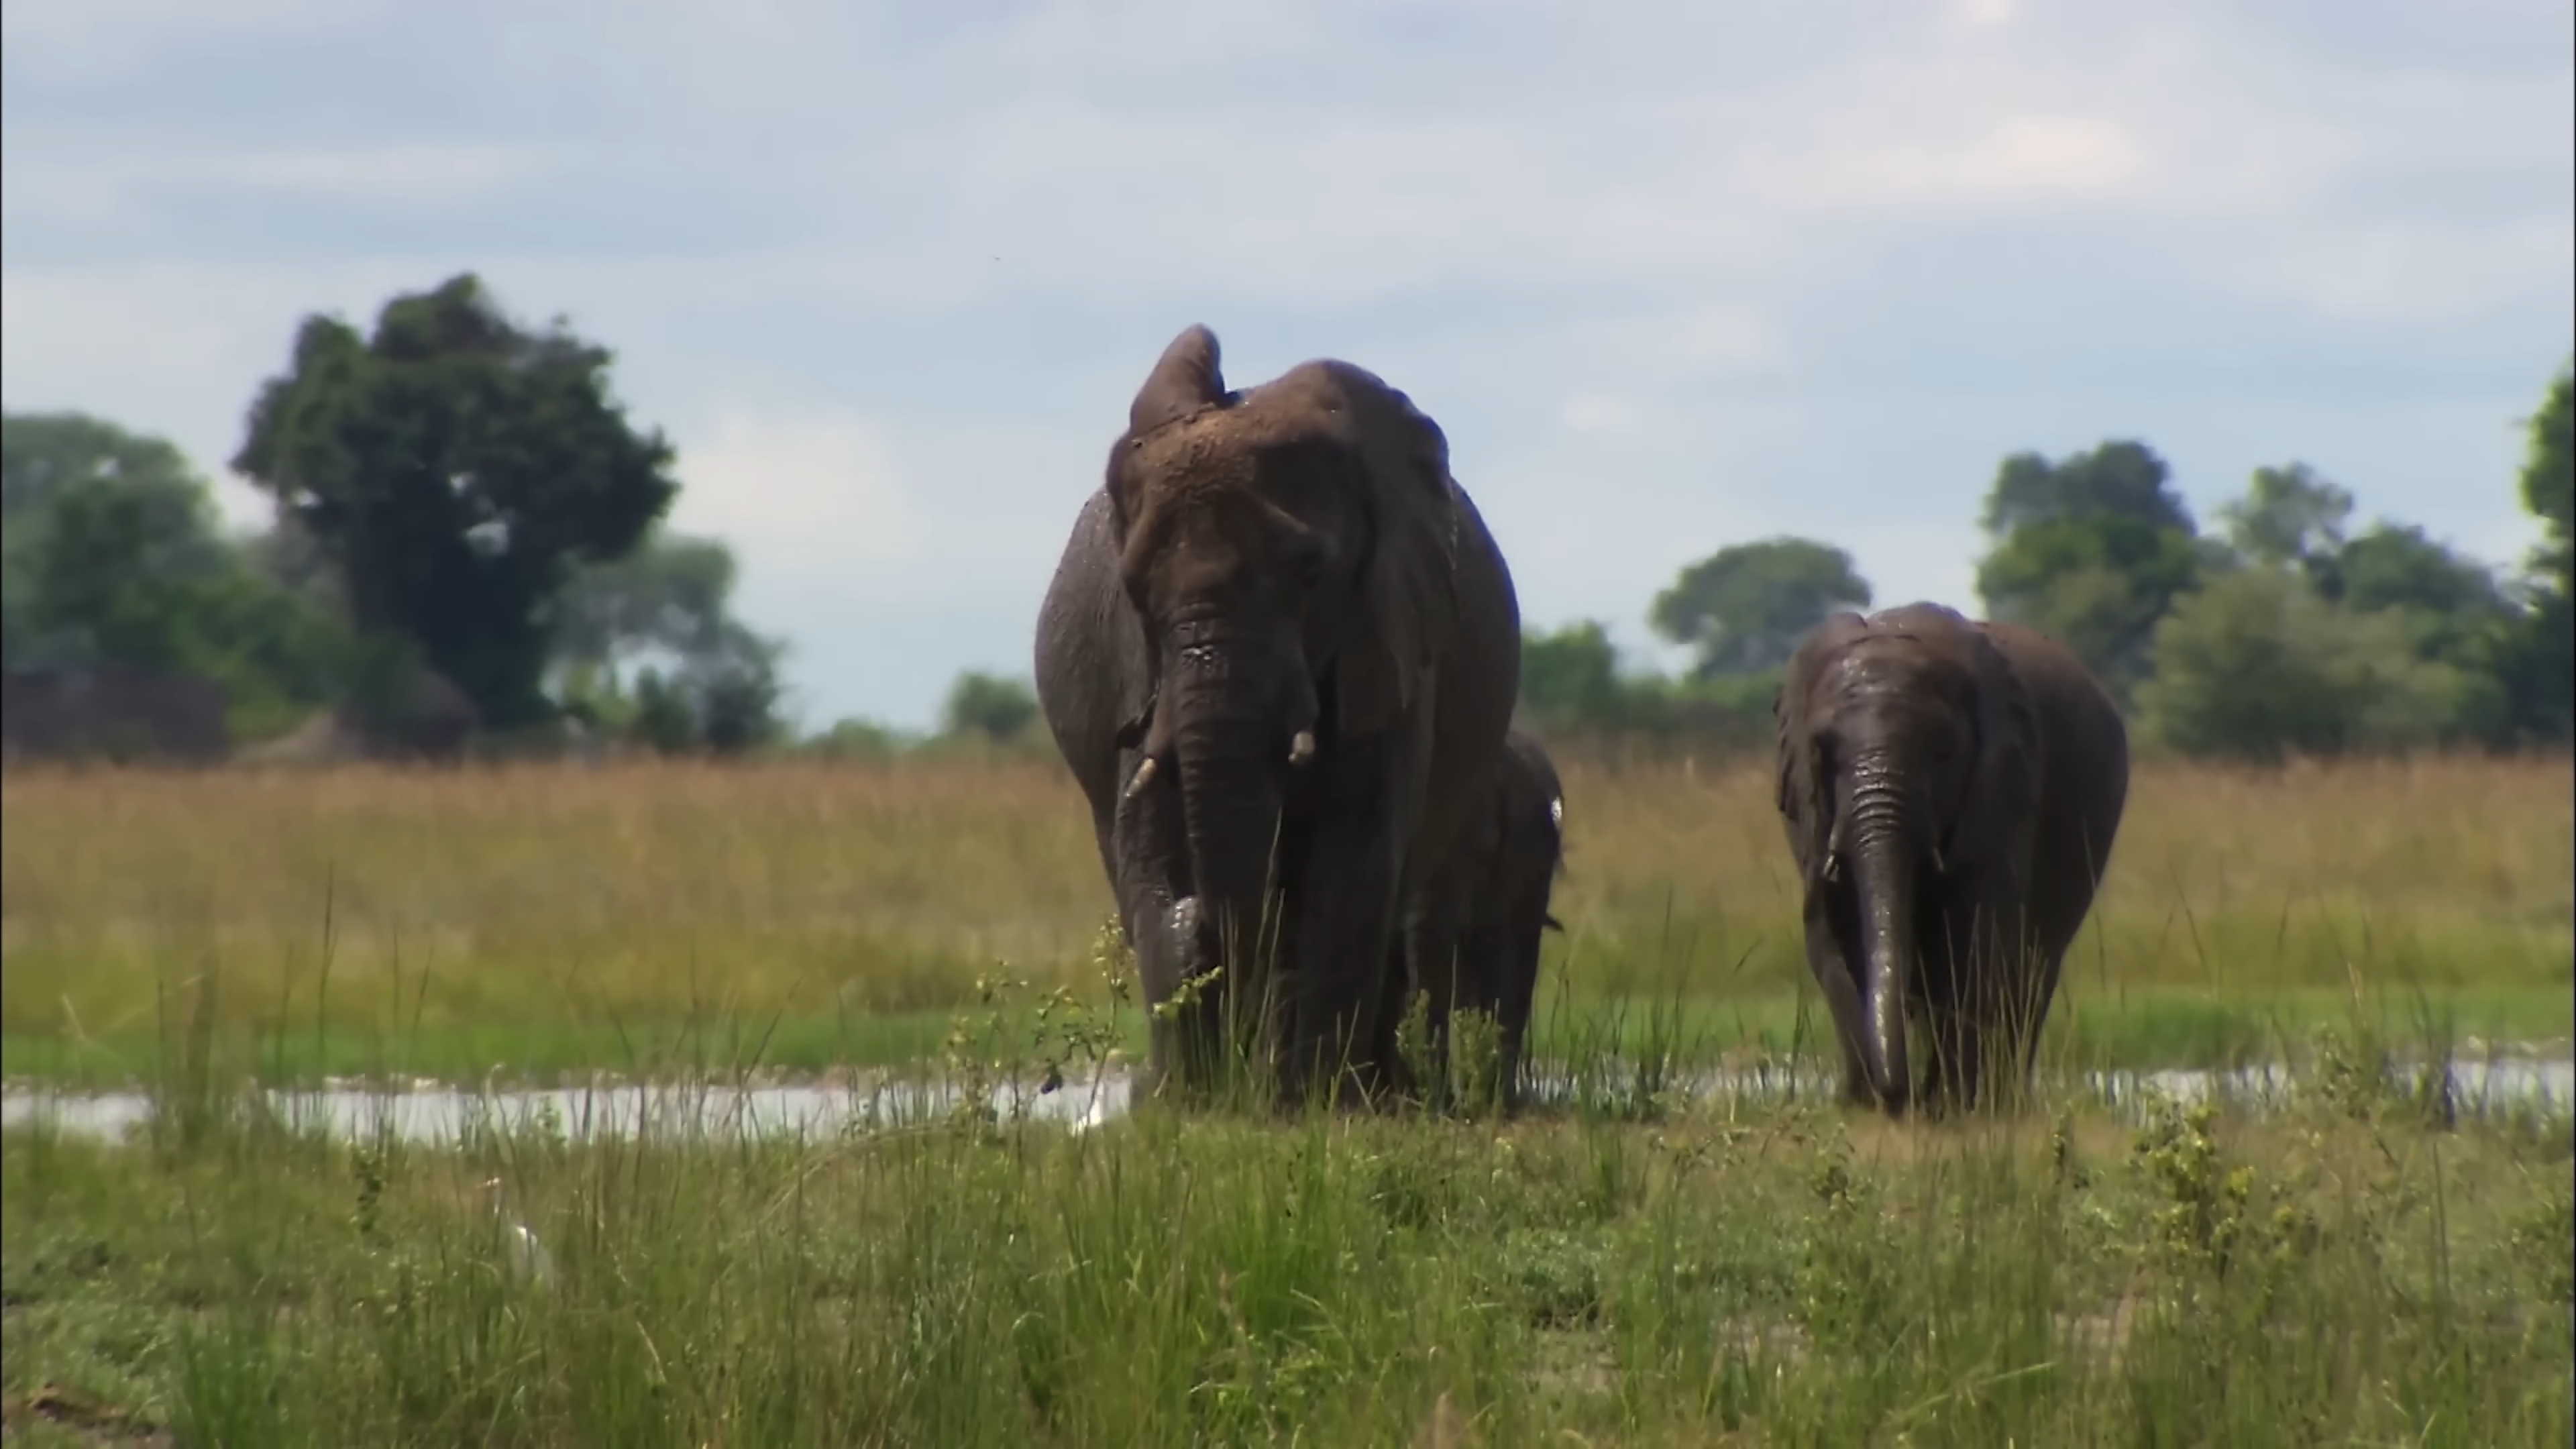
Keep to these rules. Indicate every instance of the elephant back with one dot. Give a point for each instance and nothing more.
(2084, 769)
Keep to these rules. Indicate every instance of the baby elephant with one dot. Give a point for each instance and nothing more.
(1951, 789)
(1498, 884)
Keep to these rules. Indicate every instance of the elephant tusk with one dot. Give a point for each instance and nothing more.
(1302, 748)
(1834, 866)
(1143, 777)
(1939, 866)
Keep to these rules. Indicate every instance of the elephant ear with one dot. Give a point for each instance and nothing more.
(1789, 771)
(2003, 789)
(1806, 806)
(1407, 574)
(1184, 379)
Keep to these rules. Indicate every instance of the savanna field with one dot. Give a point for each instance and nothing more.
(2357, 1257)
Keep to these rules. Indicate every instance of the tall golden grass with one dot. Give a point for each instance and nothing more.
(528, 892)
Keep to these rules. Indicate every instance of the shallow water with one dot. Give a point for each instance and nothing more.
(438, 1114)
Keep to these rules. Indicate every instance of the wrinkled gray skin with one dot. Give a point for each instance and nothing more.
(1941, 778)
(1497, 884)
(1280, 621)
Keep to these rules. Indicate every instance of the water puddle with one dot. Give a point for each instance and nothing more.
(442, 1115)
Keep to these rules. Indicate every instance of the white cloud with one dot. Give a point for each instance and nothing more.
(1694, 339)
(408, 177)
(1734, 269)
(124, 189)
(104, 40)
(812, 495)
(2387, 273)
(1602, 412)
(1986, 14)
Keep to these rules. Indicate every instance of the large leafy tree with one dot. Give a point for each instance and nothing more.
(2289, 517)
(673, 593)
(2542, 677)
(55, 466)
(998, 708)
(1570, 677)
(2255, 665)
(2549, 480)
(44, 456)
(1744, 608)
(2453, 607)
(114, 556)
(2093, 549)
(453, 467)
(2316, 640)
(707, 679)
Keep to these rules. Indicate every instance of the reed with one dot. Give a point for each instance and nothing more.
(850, 908)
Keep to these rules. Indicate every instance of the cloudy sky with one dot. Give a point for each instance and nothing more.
(1672, 275)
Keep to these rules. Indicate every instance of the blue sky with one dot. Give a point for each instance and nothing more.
(1672, 275)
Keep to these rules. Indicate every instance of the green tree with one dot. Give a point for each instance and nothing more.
(1744, 608)
(2289, 518)
(671, 593)
(724, 704)
(1000, 710)
(1570, 677)
(114, 556)
(2255, 665)
(2454, 607)
(661, 717)
(738, 702)
(2093, 548)
(2540, 677)
(454, 467)
(2549, 480)
(856, 739)
(44, 456)
(112, 584)
(140, 513)
(670, 598)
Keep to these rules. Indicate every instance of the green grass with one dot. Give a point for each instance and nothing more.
(2360, 1265)
(2143, 1029)
(530, 915)
(2343, 1270)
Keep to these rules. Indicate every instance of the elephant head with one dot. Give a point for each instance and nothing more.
(1284, 551)
(1909, 765)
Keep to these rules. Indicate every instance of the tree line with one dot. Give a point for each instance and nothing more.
(454, 494)
(2284, 630)
(459, 495)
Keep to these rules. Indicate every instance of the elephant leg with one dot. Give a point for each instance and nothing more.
(2036, 983)
(1516, 962)
(1335, 1001)
(1956, 1070)
(1951, 983)
(1828, 963)
(1395, 998)
(1342, 989)
(1436, 957)
(1993, 987)
(1396, 990)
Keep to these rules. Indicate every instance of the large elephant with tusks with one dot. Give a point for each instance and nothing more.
(1278, 655)
(1951, 789)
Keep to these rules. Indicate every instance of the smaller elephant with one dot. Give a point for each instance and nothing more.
(1496, 893)
(1951, 790)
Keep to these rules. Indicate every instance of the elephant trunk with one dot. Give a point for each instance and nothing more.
(1883, 880)
(1225, 737)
